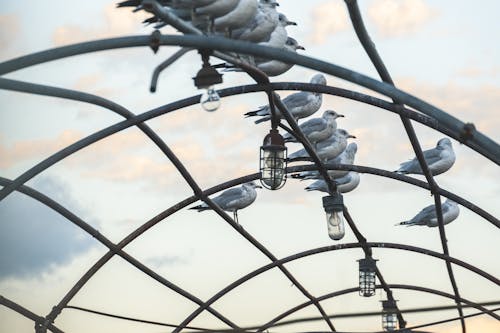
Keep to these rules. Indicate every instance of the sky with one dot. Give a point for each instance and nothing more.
(441, 51)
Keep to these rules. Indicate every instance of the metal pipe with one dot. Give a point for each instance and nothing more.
(487, 147)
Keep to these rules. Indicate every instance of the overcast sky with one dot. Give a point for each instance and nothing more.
(444, 52)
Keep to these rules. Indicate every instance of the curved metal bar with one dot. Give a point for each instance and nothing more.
(392, 286)
(173, 58)
(12, 85)
(486, 146)
(338, 247)
(163, 215)
(113, 248)
(340, 92)
(370, 49)
(28, 314)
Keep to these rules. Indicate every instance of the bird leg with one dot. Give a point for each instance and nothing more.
(235, 217)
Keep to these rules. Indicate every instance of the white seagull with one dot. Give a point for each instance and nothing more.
(262, 25)
(317, 129)
(243, 13)
(347, 157)
(326, 149)
(233, 199)
(344, 184)
(278, 37)
(439, 159)
(428, 216)
(301, 104)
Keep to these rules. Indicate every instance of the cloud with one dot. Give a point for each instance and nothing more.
(329, 18)
(30, 149)
(400, 17)
(115, 22)
(34, 238)
(9, 33)
(477, 104)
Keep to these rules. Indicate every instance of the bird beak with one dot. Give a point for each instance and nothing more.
(340, 116)
(258, 186)
(351, 136)
(300, 47)
(275, 4)
(291, 23)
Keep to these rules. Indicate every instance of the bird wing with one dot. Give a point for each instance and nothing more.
(297, 99)
(432, 155)
(343, 180)
(227, 198)
(313, 125)
(425, 215)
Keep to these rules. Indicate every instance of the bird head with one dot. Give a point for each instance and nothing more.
(291, 43)
(343, 132)
(330, 114)
(318, 79)
(283, 20)
(444, 142)
(253, 185)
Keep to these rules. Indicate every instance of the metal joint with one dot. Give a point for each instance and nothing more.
(154, 40)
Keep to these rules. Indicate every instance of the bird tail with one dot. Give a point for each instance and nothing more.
(406, 223)
(128, 3)
(251, 113)
(200, 208)
(263, 119)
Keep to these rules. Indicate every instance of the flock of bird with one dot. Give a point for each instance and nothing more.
(255, 21)
(259, 22)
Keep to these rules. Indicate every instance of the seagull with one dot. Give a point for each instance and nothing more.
(344, 184)
(243, 13)
(233, 199)
(428, 216)
(326, 149)
(270, 67)
(262, 25)
(301, 104)
(278, 37)
(439, 159)
(347, 157)
(317, 129)
(215, 9)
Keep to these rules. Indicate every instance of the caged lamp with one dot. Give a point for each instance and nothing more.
(334, 207)
(206, 78)
(273, 154)
(367, 272)
(389, 315)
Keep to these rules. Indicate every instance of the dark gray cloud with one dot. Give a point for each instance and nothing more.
(33, 237)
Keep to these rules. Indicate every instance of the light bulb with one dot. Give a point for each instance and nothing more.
(335, 224)
(210, 100)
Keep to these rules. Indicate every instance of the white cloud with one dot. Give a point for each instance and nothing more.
(400, 17)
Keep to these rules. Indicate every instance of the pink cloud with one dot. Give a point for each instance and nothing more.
(328, 18)
(115, 22)
(31, 149)
(399, 17)
(9, 31)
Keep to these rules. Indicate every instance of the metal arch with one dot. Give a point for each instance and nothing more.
(369, 46)
(393, 286)
(180, 168)
(138, 119)
(113, 248)
(28, 314)
(485, 145)
(139, 231)
(336, 247)
(116, 248)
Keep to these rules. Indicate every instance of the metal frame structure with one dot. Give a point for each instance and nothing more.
(420, 111)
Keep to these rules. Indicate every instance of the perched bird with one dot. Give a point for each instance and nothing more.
(439, 159)
(347, 157)
(344, 184)
(278, 36)
(233, 199)
(262, 25)
(317, 129)
(215, 9)
(270, 67)
(301, 104)
(326, 149)
(428, 216)
(243, 13)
